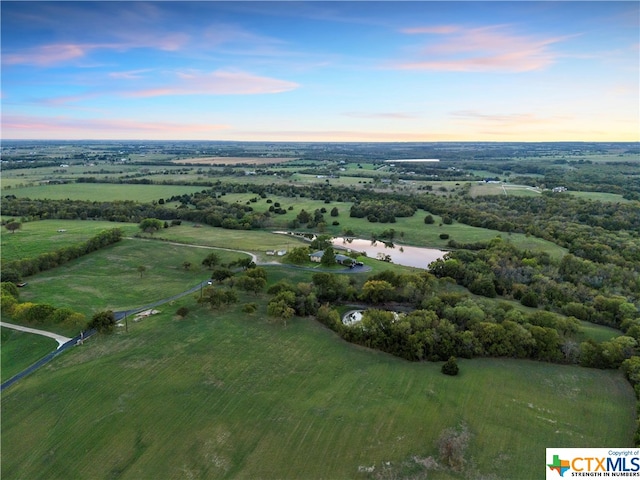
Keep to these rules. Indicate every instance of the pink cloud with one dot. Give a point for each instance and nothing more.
(60, 53)
(129, 75)
(438, 29)
(219, 82)
(47, 55)
(25, 126)
(484, 49)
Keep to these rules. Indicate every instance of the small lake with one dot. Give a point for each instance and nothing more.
(400, 254)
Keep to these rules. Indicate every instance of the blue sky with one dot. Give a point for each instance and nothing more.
(321, 71)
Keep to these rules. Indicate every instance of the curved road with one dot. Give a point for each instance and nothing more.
(58, 338)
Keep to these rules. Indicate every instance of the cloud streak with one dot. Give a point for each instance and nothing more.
(381, 115)
(27, 126)
(484, 49)
(219, 82)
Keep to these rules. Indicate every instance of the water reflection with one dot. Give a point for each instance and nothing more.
(406, 255)
(391, 252)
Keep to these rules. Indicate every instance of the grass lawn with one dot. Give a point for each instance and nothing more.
(226, 395)
(21, 349)
(35, 238)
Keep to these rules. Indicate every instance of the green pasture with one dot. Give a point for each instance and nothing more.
(109, 278)
(35, 238)
(19, 350)
(228, 395)
(600, 196)
(102, 192)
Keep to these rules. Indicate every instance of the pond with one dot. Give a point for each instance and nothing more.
(400, 254)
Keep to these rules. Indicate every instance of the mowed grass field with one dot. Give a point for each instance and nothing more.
(21, 349)
(228, 395)
(102, 192)
(109, 278)
(35, 238)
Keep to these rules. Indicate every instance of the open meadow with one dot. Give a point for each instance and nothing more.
(227, 395)
(104, 192)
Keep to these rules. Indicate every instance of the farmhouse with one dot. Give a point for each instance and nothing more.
(343, 259)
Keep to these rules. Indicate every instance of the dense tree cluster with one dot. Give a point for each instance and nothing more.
(572, 285)
(383, 211)
(447, 324)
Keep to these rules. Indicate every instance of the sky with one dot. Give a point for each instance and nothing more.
(321, 71)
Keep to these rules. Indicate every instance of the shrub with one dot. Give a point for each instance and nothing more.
(249, 308)
(10, 275)
(450, 367)
(182, 312)
(104, 322)
(10, 289)
(444, 236)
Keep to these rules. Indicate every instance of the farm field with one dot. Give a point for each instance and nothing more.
(227, 395)
(486, 189)
(102, 192)
(19, 350)
(35, 238)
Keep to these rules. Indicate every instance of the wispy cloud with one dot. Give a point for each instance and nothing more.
(483, 49)
(130, 74)
(524, 123)
(47, 55)
(219, 82)
(381, 115)
(436, 29)
(346, 136)
(27, 126)
(62, 53)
